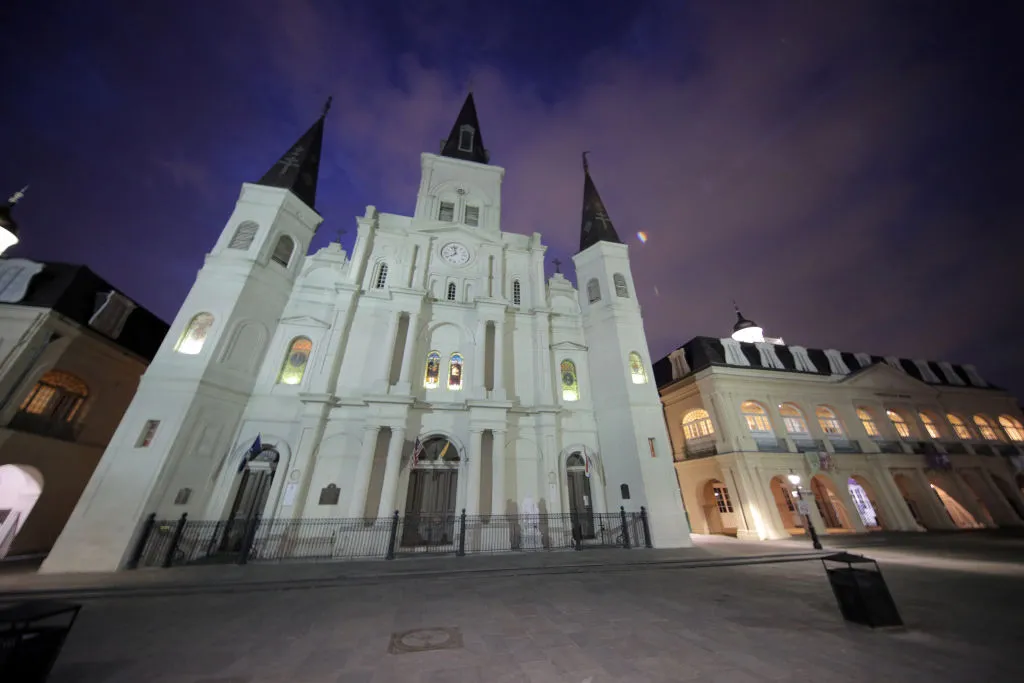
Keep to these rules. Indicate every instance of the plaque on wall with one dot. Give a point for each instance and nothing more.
(183, 496)
(624, 489)
(329, 495)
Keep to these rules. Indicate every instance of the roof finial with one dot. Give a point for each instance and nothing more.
(13, 199)
(586, 167)
(327, 106)
(736, 306)
(558, 265)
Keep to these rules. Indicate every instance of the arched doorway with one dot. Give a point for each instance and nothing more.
(865, 501)
(20, 488)
(581, 502)
(906, 488)
(430, 501)
(792, 520)
(957, 512)
(719, 512)
(830, 507)
(251, 497)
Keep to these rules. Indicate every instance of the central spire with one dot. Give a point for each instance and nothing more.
(465, 141)
(596, 227)
(299, 169)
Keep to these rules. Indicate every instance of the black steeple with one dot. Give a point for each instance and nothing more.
(299, 168)
(465, 141)
(597, 227)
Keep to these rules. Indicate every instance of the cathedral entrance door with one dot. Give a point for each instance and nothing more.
(581, 503)
(250, 500)
(430, 504)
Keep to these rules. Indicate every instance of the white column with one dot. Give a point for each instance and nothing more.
(361, 479)
(498, 472)
(392, 468)
(499, 358)
(392, 340)
(407, 356)
(473, 472)
(479, 361)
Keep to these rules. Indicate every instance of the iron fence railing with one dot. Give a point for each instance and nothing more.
(169, 543)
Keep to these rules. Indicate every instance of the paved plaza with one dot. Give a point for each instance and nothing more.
(961, 596)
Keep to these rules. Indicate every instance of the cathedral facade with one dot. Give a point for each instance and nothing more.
(434, 369)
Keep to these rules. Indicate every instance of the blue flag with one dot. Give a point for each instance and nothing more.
(253, 451)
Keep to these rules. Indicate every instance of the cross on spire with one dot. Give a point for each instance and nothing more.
(558, 265)
(596, 225)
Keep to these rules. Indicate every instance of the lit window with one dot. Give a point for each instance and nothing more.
(466, 138)
(570, 383)
(756, 417)
(245, 233)
(619, 281)
(472, 215)
(517, 293)
(722, 498)
(985, 428)
(959, 428)
(929, 425)
(382, 276)
(830, 424)
(447, 212)
(593, 290)
(283, 251)
(57, 397)
(869, 423)
(148, 432)
(455, 372)
(793, 419)
(192, 340)
(432, 376)
(697, 425)
(636, 368)
(902, 428)
(1013, 428)
(294, 366)
(451, 291)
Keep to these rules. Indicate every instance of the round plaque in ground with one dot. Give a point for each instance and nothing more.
(425, 639)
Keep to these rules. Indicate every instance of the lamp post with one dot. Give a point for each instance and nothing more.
(794, 479)
(8, 226)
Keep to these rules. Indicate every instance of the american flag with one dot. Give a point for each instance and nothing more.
(417, 448)
(586, 463)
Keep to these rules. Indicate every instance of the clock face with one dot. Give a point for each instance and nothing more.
(455, 254)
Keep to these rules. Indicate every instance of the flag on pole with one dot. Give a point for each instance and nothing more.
(253, 451)
(586, 463)
(417, 448)
(444, 450)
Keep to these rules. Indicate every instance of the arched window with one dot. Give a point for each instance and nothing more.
(828, 420)
(433, 373)
(636, 368)
(192, 340)
(570, 383)
(929, 425)
(793, 419)
(619, 280)
(381, 278)
(697, 425)
(868, 421)
(245, 233)
(466, 133)
(1013, 428)
(451, 291)
(517, 293)
(57, 397)
(959, 428)
(593, 290)
(455, 372)
(985, 428)
(294, 365)
(283, 250)
(902, 428)
(756, 417)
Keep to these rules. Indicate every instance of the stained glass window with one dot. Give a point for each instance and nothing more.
(191, 342)
(455, 372)
(570, 385)
(432, 377)
(636, 368)
(294, 366)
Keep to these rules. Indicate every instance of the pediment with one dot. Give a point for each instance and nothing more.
(568, 346)
(305, 321)
(463, 232)
(884, 377)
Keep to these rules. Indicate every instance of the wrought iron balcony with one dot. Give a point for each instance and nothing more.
(771, 445)
(983, 449)
(701, 450)
(846, 446)
(954, 447)
(887, 446)
(1007, 449)
(922, 447)
(808, 445)
(43, 425)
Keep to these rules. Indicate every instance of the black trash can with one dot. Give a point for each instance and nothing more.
(31, 637)
(860, 590)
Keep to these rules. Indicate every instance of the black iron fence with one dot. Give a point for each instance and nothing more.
(170, 543)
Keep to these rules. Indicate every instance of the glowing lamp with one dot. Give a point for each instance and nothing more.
(794, 479)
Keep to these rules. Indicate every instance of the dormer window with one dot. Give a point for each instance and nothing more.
(466, 134)
(473, 215)
(447, 212)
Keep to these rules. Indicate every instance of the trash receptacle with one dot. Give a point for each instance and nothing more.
(31, 637)
(860, 590)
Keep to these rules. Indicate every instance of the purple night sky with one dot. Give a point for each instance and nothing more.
(850, 172)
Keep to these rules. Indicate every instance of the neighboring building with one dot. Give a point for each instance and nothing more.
(879, 443)
(438, 334)
(72, 350)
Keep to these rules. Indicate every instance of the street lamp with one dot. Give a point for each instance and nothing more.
(8, 226)
(805, 509)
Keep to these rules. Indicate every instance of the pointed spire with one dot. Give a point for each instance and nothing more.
(299, 169)
(596, 227)
(465, 141)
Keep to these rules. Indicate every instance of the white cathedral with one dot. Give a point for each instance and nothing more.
(431, 371)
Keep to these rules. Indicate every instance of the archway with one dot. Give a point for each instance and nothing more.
(866, 503)
(830, 507)
(251, 497)
(957, 512)
(1012, 497)
(719, 512)
(906, 488)
(430, 500)
(977, 490)
(20, 488)
(581, 503)
(792, 520)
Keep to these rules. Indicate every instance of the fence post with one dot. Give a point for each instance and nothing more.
(175, 538)
(248, 539)
(647, 527)
(462, 534)
(140, 544)
(625, 527)
(392, 537)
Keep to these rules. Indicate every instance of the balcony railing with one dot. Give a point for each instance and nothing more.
(954, 447)
(808, 445)
(771, 445)
(887, 446)
(983, 449)
(846, 446)
(43, 426)
(922, 447)
(1007, 449)
(701, 450)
